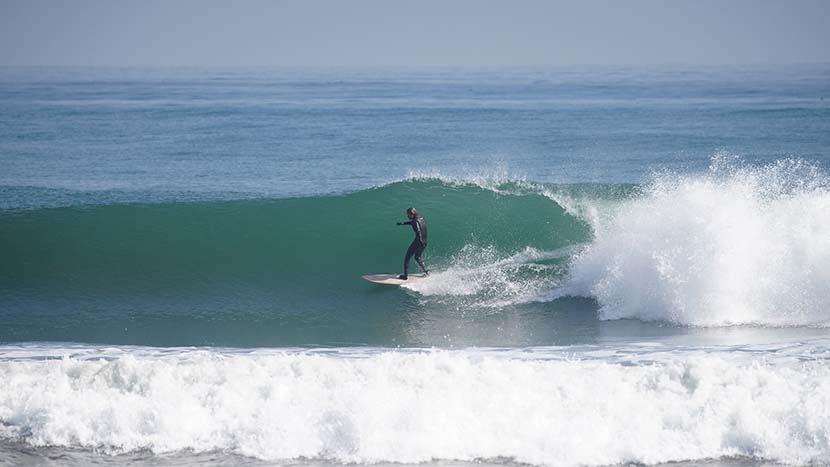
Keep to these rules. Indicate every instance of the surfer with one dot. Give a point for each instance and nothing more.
(419, 225)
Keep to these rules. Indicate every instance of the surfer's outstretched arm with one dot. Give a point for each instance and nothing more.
(406, 223)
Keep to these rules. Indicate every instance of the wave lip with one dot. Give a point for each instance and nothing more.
(644, 404)
(735, 245)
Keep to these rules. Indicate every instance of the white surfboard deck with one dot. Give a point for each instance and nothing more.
(392, 279)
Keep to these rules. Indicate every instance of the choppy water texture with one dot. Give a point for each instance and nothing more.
(629, 266)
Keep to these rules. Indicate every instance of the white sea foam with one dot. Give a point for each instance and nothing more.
(735, 245)
(560, 406)
(492, 279)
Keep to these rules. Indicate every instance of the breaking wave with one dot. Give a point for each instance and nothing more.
(543, 406)
(735, 245)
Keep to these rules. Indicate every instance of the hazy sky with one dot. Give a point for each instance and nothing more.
(417, 33)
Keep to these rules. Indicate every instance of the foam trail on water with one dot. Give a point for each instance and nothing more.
(566, 406)
(492, 280)
(735, 245)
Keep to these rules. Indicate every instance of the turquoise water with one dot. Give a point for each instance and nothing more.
(181, 252)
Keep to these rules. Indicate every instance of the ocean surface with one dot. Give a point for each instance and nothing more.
(629, 266)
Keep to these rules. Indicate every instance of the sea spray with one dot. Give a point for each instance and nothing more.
(483, 276)
(735, 245)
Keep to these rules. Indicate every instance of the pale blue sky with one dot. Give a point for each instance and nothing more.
(379, 33)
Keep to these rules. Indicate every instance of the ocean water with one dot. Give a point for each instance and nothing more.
(630, 266)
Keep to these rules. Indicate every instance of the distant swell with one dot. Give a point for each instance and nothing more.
(735, 245)
(629, 405)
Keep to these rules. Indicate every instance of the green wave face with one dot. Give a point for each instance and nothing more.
(253, 272)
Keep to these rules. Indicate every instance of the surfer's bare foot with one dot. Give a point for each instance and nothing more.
(403, 277)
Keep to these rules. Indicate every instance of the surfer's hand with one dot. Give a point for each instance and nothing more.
(398, 223)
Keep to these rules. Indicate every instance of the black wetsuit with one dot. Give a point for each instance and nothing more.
(419, 225)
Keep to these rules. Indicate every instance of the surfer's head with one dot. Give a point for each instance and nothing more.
(411, 213)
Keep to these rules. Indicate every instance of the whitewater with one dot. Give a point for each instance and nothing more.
(646, 403)
(736, 245)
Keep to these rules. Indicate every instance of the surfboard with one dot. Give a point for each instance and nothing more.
(392, 279)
